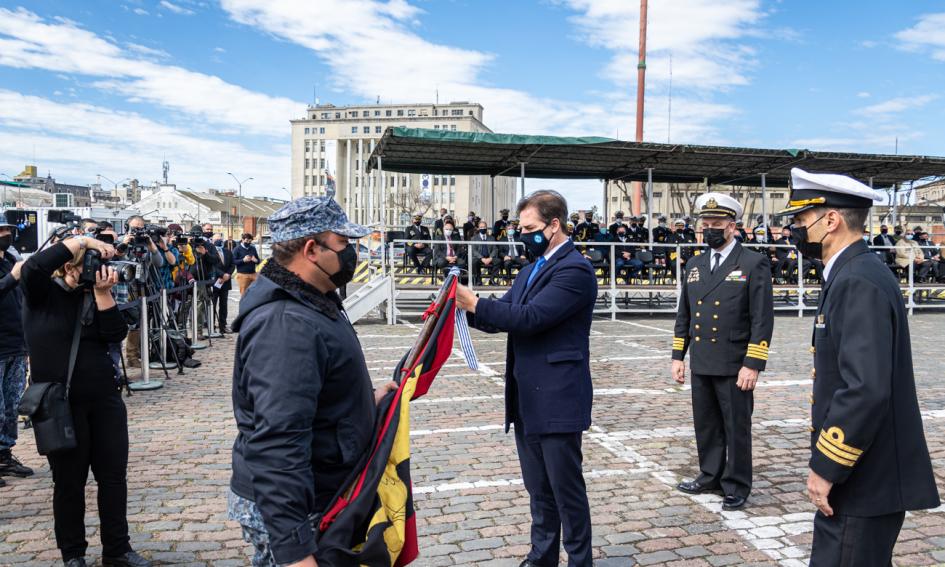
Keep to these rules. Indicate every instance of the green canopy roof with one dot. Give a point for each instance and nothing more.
(420, 150)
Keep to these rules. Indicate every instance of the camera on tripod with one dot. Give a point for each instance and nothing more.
(197, 237)
(63, 217)
(92, 264)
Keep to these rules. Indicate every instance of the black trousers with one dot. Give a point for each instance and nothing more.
(551, 469)
(220, 300)
(478, 266)
(852, 541)
(101, 428)
(415, 253)
(722, 415)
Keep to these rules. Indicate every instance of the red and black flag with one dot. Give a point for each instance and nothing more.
(372, 521)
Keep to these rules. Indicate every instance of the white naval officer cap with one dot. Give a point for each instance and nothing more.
(718, 205)
(809, 190)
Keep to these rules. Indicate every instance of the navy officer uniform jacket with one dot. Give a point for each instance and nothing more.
(725, 318)
(866, 434)
(548, 373)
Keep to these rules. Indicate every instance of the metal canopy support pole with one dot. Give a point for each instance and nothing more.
(606, 208)
(649, 203)
(392, 292)
(146, 383)
(372, 182)
(764, 203)
(613, 282)
(380, 172)
(800, 284)
(523, 179)
(895, 202)
(492, 201)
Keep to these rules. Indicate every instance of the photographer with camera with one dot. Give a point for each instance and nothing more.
(136, 245)
(208, 262)
(12, 356)
(67, 293)
(165, 244)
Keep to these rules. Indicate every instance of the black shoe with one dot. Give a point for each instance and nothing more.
(2, 483)
(130, 559)
(734, 502)
(76, 562)
(694, 487)
(11, 466)
(528, 563)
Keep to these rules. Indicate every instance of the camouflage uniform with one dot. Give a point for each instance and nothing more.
(12, 382)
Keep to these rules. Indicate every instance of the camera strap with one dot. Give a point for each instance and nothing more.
(74, 351)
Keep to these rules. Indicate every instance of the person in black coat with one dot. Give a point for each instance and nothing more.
(450, 253)
(512, 251)
(548, 392)
(869, 461)
(56, 299)
(418, 245)
(224, 282)
(725, 322)
(302, 393)
(500, 225)
(485, 255)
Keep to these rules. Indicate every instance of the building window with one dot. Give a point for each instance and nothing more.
(452, 180)
(377, 129)
(325, 115)
(353, 113)
(400, 113)
(377, 113)
(366, 113)
(305, 177)
(470, 112)
(367, 129)
(307, 130)
(357, 181)
(307, 163)
(436, 181)
(436, 126)
(321, 164)
(337, 116)
(411, 112)
(446, 126)
(452, 126)
(657, 195)
(457, 112)
(321, 130)
(308, 146)
(452, 197)
(388, 113)
(354, 129)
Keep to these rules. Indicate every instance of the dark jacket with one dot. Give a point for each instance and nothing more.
(49, 318)
(207, 266)
(303, 402)
(11, 308)
(240, 252)
(227, 267)
(417, 234)
(867, 435)
(484, 248)
(547, 371)
(440, 249)
(726, 318)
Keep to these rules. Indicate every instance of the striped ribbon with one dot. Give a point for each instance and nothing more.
(462, 331)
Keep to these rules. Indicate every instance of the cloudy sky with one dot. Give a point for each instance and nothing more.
(114, 87)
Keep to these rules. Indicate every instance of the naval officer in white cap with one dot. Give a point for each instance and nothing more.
(725, 322)
(869, 461)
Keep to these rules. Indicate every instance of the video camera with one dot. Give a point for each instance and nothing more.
(197, 237)
(63, 217)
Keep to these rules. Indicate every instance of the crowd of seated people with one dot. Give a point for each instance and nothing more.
(495, 254)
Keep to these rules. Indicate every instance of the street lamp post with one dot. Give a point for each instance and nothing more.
(239, 202)
(112, 182)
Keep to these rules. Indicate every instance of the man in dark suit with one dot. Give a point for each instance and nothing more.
(548, 391)
(726, 319)
(417, 248)
(869, 460)
(512, 251)
(469, 227)
(224, 282)
(484, 254)
(438, 223)
(887, 242)
(614, 226)
(451, 253)
(500, 226)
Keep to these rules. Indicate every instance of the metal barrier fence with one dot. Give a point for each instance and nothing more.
(658, 292)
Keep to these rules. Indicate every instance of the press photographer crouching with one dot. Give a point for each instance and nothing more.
(70, 320)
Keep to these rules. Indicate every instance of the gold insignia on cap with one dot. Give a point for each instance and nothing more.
(711, 204)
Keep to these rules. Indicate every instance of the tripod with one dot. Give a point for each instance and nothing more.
(166, 324)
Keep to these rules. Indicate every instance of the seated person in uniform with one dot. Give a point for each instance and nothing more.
(512, 251)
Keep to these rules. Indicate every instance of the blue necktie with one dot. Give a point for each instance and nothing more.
(531, 275)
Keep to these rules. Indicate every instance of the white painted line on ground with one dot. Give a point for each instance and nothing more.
(621, 358)
(642, 326)
(471, 429)
(457, 399)
(505, 482)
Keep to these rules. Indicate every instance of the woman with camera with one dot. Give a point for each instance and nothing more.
(63, 288)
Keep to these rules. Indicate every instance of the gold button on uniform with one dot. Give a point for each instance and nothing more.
(697, 339)
(697, 327)
(697, 313)
(699, 302)
(813, 350)
(715, 329)
(715, 316)
(713, 340)
(717, 303)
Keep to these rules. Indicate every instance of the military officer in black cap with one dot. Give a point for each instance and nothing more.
(418, 245)
(501, 225)
(614, 226)
(869, 461)
(726, 318)
(587, 230)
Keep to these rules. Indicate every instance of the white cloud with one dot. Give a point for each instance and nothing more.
(176, 9)
(219, 50)
(927, 35)
(80, 140)
(895, 105)
(141, 12)
(863, 94)
(28, 41)
(148, 51)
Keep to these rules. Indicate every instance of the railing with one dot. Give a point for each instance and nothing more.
(656, 292)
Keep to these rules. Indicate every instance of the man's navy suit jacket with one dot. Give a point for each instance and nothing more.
(547, 372)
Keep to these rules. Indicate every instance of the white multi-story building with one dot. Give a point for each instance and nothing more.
(336, 141)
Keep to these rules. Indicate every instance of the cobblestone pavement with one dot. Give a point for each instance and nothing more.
(471, 506)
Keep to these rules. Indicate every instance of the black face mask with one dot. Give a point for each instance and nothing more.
(5, 242)
(505, 217)
(348, 260)
(482, 231)
(898, 233)
(885, 231)
(621, 234)
(714, 237)
(679, 231)
(535, 242)
(813, 250)
(416, 223)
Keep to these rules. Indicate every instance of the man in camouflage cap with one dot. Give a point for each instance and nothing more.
(299, 373)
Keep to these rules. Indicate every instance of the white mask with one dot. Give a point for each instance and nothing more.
(447, 232)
